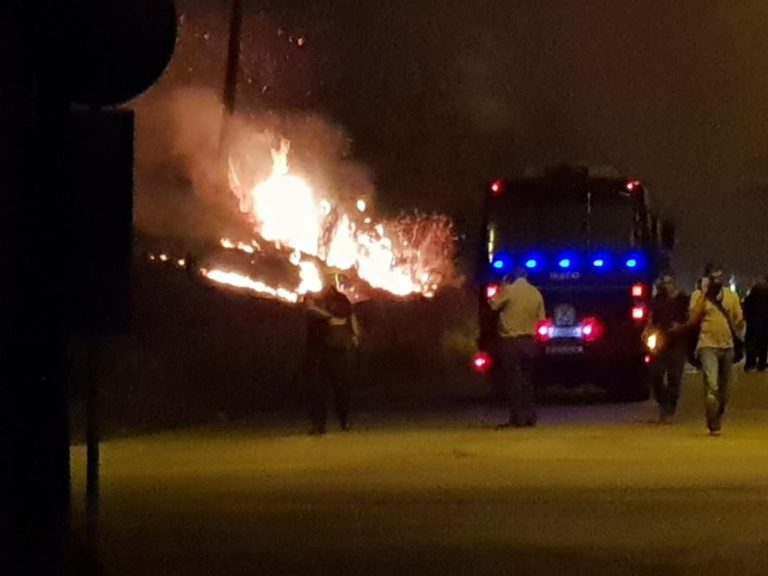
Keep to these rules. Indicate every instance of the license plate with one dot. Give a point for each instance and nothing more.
(566, 332)
(565, 349)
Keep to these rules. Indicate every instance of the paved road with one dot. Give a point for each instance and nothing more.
(595, 490)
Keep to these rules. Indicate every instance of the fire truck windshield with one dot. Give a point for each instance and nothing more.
(556, 220)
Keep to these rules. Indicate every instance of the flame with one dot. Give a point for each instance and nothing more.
(238, 280)
(402, 256)
(285, 208)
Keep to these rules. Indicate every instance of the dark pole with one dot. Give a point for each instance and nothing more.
(92, 447)
(233, 64)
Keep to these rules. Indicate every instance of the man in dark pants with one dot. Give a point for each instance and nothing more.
(669, 311)
(332, 336)
(756, 315)
(521, 307)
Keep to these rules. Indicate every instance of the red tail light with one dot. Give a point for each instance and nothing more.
(639, 312)
(482, 362)
(497, 187)
(544, 330)
(591, 329)
(491, 290)
(639, 291)
(633, 185)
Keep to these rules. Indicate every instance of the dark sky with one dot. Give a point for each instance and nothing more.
(440, 96)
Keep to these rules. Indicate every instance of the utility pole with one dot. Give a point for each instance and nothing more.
(233, 65)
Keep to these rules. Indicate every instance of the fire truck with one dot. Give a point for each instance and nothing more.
(593, 246)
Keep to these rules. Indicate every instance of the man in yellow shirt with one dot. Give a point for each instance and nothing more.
(717, 312)
(520, 306)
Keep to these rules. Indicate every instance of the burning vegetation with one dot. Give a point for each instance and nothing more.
(302, 230)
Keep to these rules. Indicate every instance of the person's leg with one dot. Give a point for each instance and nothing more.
(319, 394)
(656, 374)
(724, 378)
(342, 384)
(527, 357)
(314, 391)
(751, 348)
(675, 372)
(762, 349)
(510, 367)
(710, 371)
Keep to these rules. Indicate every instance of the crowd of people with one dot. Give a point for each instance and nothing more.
(711, 329)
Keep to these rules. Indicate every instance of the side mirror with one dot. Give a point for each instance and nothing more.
(668, 235)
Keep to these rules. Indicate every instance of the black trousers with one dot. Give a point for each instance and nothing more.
(517, 357)
(329, 370)
(756, 348)
(666, 375)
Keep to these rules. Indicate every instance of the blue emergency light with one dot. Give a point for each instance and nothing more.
(531, 263)
(600, 262)
(502, 263)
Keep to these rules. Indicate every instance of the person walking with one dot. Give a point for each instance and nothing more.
(668, 312)
(521, 307)
(756, 316)
(332, 337)
(716, 310)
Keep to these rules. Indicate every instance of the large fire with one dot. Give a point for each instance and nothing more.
(403, 256)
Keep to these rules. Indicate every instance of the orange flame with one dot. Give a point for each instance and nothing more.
(403, 256)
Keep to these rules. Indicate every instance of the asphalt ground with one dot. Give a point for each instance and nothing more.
(595, 489)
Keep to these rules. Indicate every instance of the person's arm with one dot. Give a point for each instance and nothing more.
(737, 314)
(314, 309)
(499, 300)
(696, 309)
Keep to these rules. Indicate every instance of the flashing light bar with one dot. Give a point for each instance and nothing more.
(502, 262)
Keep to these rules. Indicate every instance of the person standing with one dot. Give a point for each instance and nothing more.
(333, 334)
(756, 315)
(717, 311)
(521, 307)
(668, 312)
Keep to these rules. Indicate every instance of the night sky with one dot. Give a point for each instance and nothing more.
(438, 97)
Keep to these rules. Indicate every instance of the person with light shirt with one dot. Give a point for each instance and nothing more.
(716, 310)
(521, 307)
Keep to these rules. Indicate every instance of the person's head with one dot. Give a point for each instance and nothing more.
(516, 273)
(667, 284)
(715, 277)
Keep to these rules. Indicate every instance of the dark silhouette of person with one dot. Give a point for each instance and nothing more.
(521, 307)
(332, 337)
(669, 311)
(756, 315)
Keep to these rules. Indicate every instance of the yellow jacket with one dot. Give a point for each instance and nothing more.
(715, 331)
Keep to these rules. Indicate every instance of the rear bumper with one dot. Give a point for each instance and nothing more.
(609, 364)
